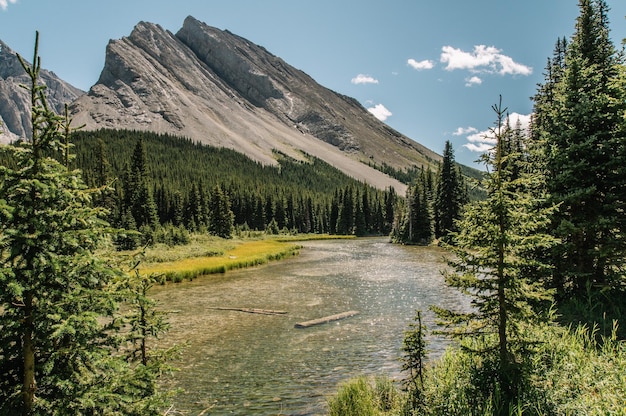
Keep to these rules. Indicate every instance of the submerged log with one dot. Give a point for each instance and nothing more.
(251, 310)
(326, 319)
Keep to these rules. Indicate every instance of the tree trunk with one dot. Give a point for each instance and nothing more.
(28, 351)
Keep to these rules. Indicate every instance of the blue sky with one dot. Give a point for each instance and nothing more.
(430, 69)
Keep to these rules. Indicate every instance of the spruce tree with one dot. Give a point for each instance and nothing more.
(493, 249)
(221, 216)
(580, 122)
(139, 199)
(449, 196)
(345, 218)
(58, 309)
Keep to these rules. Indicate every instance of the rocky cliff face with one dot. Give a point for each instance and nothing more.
(15, 101)
(218, 88)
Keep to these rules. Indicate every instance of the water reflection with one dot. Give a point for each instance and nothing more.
(243, 364)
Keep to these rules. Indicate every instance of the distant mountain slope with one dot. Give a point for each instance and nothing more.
(220, 89)
(15, 101)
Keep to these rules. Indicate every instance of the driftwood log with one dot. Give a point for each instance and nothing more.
(326, 319)
(251, 310)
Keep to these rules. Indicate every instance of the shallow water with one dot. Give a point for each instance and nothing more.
(247, 364)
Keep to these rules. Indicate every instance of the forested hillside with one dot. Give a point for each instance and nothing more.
(181, 177)
(541, 258)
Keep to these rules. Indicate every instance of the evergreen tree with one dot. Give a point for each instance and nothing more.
(59, 311)
(345, 218)
(139, 199)
(414, 348)
(360, 222)
(493, 249)
(222, 217)
(450, 196)
(334, 212)
(145, 321)
(415, 225)
(391, 199)
(580, 122)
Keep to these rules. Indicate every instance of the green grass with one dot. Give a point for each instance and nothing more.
(211, 256)
(365, 397)
(573, 371)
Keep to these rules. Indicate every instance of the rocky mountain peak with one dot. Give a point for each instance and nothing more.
(240, 64)
(218, 88)
(15, 100)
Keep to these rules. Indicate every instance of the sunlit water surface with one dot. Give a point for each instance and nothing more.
(248, 364)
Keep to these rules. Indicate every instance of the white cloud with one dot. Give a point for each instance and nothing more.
(483, 141)
(425, 64)
(362, 79)
(469, 82)
(464, 130)
(486, 59)
(5, 3)
(524, 120)
(380, 112)
(508, 66)
(479, 148)
(480, 141)
(485, 136)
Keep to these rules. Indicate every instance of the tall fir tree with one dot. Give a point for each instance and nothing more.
(493, 249)
(450, 195)
(221, 216)
(580, 122)
(414, 223)
(138, 196)
(58, 307)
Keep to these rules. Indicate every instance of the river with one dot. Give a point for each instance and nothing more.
(248, 364)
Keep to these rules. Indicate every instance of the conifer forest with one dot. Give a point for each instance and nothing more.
(537, 242)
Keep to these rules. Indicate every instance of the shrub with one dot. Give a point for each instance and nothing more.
(365, 397)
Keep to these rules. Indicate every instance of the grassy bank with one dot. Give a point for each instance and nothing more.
(237, 255)
(210, 255)
(571, 371)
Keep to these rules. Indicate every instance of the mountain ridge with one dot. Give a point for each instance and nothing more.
(15, 100)
(218, 88)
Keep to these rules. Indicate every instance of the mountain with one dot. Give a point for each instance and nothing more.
(218, 88)
(15, 100)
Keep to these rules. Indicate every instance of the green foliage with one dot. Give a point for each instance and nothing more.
(450, 196)
(414, 361)
(433, 204)
(304, 196)
(221, 219)
(579, 113)
(363, 397)
(58, 307)
(570, 373)
(494, 260)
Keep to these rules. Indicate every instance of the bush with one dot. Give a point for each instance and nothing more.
(365, 397)
(569, 371)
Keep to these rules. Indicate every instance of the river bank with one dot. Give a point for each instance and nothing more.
(207, 255)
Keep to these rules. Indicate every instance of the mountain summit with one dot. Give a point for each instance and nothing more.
(218, 88)
(15, 100)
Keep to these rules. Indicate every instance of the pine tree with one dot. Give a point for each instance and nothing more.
(222, 217)
(493, 249)
(449, 196)
(580, 122)
(59, 311)
(139, 199)
(414, 359)
(345, 218)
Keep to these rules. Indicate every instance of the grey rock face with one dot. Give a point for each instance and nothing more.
(15, 100)
(218, 88)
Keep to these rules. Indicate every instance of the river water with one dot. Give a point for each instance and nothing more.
(248, 364)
